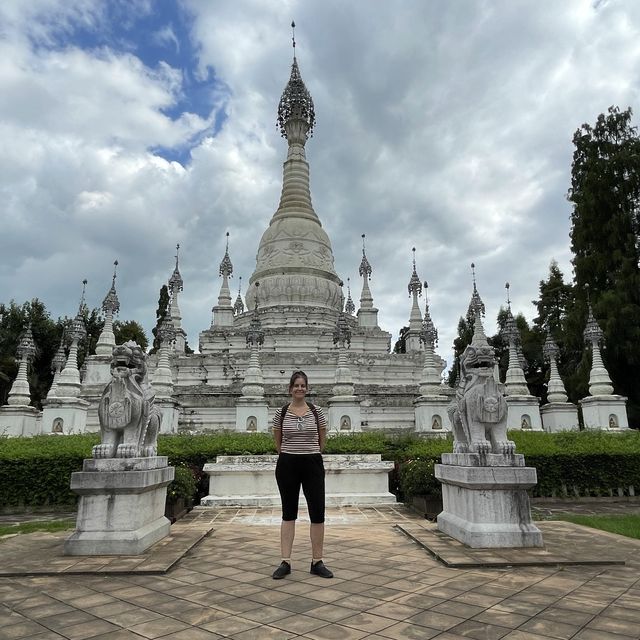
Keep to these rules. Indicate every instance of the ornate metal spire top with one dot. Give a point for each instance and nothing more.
(507, 286)
(429, 332)
(296, 103)
(166, 331)
(349, 307)
(238, 306)
(255, 333)
(593, 334)
(111, 304)
(415, 285)
(77, 331)
(550, 349)
(175, 281)
(26, 347)
(59, 359)
(476, 306)
(365, 268)
(342, 331)
(226, 268)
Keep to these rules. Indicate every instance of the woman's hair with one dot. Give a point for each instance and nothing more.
(295, 375)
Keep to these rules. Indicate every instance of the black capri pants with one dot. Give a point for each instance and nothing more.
(294, 470)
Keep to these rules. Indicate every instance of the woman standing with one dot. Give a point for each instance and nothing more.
(300, 430)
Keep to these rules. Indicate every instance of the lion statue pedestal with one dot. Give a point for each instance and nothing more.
(484, 481)
(123, 488)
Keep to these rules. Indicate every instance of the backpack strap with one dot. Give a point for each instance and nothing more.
(315, 414)
(283, 413)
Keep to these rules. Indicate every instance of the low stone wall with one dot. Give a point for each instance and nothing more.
(361, 479)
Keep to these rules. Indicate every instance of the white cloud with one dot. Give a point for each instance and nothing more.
(445, 126)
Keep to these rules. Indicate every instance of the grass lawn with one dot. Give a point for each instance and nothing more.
(30, 527)
(627, 525)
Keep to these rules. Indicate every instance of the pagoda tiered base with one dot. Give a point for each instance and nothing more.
(344, 414)
(431, 414)
(608, 413)
(485, 500)
(121, 507)
(18, 420)
(523, 412)
(559, 416)
(252, 414)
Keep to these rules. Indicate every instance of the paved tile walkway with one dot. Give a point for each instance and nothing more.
(386, 587)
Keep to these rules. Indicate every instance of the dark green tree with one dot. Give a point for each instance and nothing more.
(605, 192)
(130, 330)
(401, 343)
(161, 312)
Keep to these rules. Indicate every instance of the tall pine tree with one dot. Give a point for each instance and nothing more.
(605, 192)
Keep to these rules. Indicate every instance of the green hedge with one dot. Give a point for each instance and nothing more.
(35, 471)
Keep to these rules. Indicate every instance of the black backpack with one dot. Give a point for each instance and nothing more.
(283, 413)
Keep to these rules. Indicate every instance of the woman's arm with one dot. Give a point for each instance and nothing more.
(322, 429)
(277, 431)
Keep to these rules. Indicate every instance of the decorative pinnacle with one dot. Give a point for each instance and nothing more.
(550, 349)
(59, 359)
(111, 304)
(507, 286)
(349, 307)
(166, 331)
(365, 268)
(226, 268)
(293, 36)
(342, 331)
(476, 306)
(175, 281)
(238, 306)
(296, 103)
(429, 333)
(26, 347)
(255, 334)
(77, 331)
(415, 286)
(593, 334)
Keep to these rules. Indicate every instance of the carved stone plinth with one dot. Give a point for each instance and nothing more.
(356, 479)
(485, 500)
(121, 507)
(252, 414)
(431, 414)
(344, 414)
(523, 412)
(608, 413)
(559, 416)
(18, 420)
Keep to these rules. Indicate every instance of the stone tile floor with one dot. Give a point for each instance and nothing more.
(386, 587)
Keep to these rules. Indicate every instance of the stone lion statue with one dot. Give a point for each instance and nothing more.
(129, 422)
(479, 412)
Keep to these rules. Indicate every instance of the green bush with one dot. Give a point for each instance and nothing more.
(184, 485)
(35, 471)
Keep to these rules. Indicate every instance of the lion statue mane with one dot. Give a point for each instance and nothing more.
(129, 422)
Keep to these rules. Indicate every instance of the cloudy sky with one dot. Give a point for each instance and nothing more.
(127, 127)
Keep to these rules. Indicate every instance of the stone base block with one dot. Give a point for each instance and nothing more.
(18, 420)
(523, 412)
(170, 413)
(488, 507)
(559, 416)
(344, 414)
(250, 481)
(431, 414)
(252, 415)
(121, 507)
(608, 413)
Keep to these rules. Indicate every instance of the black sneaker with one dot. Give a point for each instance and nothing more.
(318, 569)
(283, 570)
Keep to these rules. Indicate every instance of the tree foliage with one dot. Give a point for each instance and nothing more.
(161, 313)
(605, 240)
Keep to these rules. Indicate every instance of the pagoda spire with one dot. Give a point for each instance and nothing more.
(223, 311)
(415, 318)
(295, 262)
(475, 305)
(349, 306)
(69, 381)
(110, 306)
(57, 365)
(176, 286)
(19, 393)
(515, 382)
(430, 383)
(367, 314)
(238, 305)
(599, 380)
(555, 388)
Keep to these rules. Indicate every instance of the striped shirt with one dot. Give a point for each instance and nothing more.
(300, 434)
